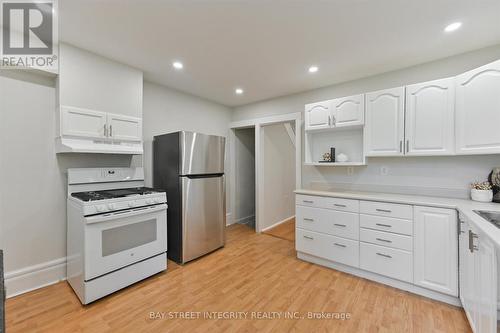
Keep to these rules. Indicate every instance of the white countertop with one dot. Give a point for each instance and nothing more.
(465, 207)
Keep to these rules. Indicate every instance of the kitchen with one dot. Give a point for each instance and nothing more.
(139, 79)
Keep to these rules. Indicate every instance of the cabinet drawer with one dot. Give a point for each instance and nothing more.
(382, 260)
(343, 224)
(398, 226)
(345, 205)
(308, 200)
(333, 248)
(386, 239)
(386, 209)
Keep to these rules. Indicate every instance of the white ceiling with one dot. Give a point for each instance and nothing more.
(265, 47)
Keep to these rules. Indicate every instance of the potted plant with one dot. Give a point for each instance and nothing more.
(481, 191)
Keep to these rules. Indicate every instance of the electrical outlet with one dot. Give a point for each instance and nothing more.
(384, 170)
(350, 171)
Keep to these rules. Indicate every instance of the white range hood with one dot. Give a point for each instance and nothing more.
(68, 145)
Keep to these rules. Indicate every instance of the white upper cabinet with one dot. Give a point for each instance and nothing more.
(348, 111)
(317, 115)
(430, 126)
(124, 128)
(384, 130)
(436, 249)
(478, 110)
(77, 122)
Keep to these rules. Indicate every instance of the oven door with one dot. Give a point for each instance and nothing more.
(116, 240)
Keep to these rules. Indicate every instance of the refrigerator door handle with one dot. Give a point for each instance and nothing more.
(210, 175)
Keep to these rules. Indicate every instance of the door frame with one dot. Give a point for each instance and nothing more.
(258, 123)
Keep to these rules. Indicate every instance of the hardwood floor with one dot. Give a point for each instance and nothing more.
(252, 273)
(286, 230)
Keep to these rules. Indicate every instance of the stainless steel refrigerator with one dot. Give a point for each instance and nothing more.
(189, 166)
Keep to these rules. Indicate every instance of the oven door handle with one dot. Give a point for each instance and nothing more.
(124, 213)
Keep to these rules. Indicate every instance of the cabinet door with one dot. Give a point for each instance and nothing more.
(384, 130)
(317, 115)
(478, 110)
(124, 127)
(485, 267)
(467, 276)
(348, 111)
(430, 125)
(436, 249)
(82, 122)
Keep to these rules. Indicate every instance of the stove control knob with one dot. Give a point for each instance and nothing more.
(100, 208)
(111, 206)
(131, 204)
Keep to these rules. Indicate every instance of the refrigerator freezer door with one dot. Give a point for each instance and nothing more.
(203, 215)
(201, 154)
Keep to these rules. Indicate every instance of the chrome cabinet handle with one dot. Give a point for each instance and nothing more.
(383, 255)
(340, 225)
(339, 245)
(400, 146)
(307, 201)
(384, 225)
(329, 121)
(110, 130)
(407, 146)
(339, 205)
(105, 130)
(334, 121)
(383, 240)
(383, 210)
(308, 219)
(472, 236)
(308, 237)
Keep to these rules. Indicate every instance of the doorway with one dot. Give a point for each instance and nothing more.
(244, 162)
(271, 135)
(278, 180)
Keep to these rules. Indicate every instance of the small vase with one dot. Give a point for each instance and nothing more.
(481, 195)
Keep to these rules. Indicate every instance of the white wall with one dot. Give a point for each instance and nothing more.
(279, 175)
(93, 82)
(166, 110)
(434, 176)
(244, 175)
(33, 178)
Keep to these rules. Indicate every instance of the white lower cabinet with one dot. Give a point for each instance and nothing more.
(414, 248)
(342, 250)
(436, 249)
(478, 279)
(332, 222)
(383, 260)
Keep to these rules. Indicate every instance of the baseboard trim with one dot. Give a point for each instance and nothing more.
(278, 223)
(246, 219)
(229, 219)
(382, 279)
(34, 277)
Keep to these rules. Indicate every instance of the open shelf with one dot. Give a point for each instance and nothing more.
(348, 141)
(330, 164)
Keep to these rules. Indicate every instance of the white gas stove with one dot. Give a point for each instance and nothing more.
(117, 230)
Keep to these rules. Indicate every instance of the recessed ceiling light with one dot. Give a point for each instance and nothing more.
(238, 91)
(452, 27)
(177, 65)
(313, 69)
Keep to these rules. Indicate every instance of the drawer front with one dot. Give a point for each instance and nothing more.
(398, 226)
(345, 205)
(397, 264)
(308, 200)
(386, 239)
(386, 209)
(332, 222)
(333, 248)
